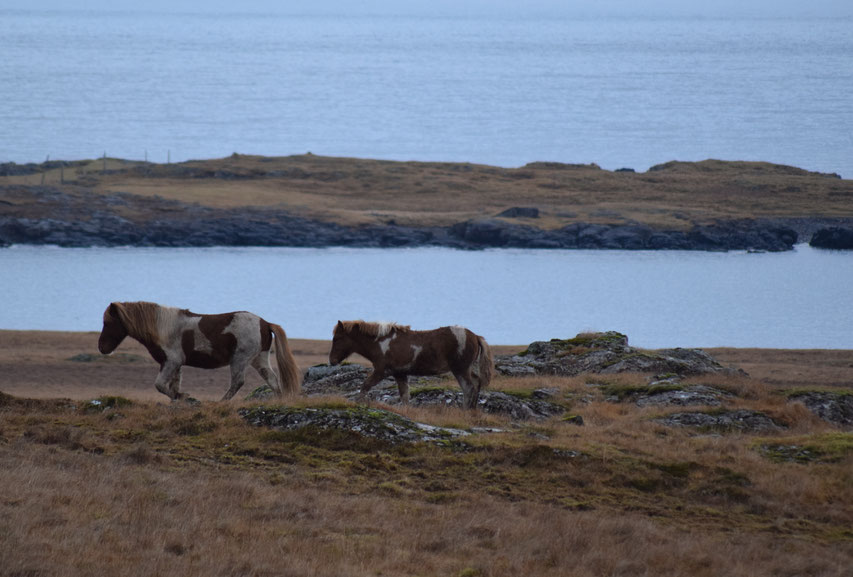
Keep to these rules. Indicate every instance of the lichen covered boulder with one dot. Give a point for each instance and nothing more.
(494, 402)
(604, 353)
(346, 380)
(682, 397)
(834, 407)
(669, 391)
(374, 423)
(741, 420)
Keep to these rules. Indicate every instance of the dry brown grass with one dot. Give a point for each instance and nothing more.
(792, 368)
(148, 488)
(155, 489)
(357, 191)
(74, 514)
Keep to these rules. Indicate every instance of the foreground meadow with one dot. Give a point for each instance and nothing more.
(140, 487)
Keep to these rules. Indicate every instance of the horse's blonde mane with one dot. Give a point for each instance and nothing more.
(140, 319)
(372, 329)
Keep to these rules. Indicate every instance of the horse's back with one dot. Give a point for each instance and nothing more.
(433, 351)
(212, 340)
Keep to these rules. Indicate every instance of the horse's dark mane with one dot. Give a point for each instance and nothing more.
(373, 329)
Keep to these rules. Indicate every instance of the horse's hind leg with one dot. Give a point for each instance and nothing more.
(403, 387)
(238, 377)
(470, 389)
(261, 363)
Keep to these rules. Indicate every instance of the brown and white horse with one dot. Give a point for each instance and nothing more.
(398, 351)
(178, 337)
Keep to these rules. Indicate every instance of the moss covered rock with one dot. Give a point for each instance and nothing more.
(605, 353)
(741, 420)
(374, 423)
(835, 407)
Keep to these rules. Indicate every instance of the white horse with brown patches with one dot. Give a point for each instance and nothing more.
(398, 351)
(178, 337)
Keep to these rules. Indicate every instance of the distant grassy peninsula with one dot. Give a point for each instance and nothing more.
(310, 200)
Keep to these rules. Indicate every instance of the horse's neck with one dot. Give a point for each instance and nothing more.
(148, 341)
(368, 347)
(164, 338)
(161, 333)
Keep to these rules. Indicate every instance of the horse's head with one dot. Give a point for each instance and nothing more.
(343, 345)
(113, 332)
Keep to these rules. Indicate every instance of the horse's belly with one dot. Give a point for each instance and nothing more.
(427, 368)
(204, 360)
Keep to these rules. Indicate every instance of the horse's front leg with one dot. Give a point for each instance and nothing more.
(175, 386)
(371, 380)
(169, 370)
(403, 388)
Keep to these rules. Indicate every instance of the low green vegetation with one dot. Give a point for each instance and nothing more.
(802, 391)
(107, 402)
(820, 448)
(622, 391)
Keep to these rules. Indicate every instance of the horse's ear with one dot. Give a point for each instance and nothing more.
(340, 325)
(115, 310)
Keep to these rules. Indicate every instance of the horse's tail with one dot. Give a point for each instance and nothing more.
(483, 367)
(287, 367)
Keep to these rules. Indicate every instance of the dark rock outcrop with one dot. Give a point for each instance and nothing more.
(669, 391)
(834, 237)
(604, 353)
(244, 227)
(520, 212)
(374, 423)
(54, 216)
(346, 380)
(837, 408)
(689, 395)
(721, 236)
(739, 420)
(496, 402)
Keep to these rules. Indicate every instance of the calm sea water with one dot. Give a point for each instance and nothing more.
(496, 90)
(798, 299)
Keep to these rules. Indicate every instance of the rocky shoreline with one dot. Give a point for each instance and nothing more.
(311, 201)
(74, 220)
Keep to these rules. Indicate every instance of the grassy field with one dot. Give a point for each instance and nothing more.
(360, 191)
(135, 486)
